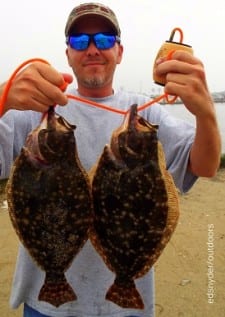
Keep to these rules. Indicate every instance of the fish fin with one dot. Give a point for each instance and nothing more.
(56, 293)
(125, 296)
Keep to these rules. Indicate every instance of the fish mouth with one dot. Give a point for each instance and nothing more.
(32, 141)
(132, 137)
(57, 140)
(53, 121)
(46, 141)
(133, 122)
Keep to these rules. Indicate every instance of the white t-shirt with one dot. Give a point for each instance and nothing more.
(88, 274)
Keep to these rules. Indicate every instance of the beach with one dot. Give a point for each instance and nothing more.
(189, 275)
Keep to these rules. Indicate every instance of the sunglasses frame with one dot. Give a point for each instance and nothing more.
(92, 39)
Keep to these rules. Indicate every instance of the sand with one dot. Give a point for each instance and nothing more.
(190, 274)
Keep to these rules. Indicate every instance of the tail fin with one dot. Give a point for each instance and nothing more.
(126, 297)
(56, 292)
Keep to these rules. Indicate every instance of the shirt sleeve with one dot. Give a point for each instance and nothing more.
(177, 137)
(14, 128)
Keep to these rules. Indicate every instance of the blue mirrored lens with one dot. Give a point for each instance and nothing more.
(102, 41)
(79, 42)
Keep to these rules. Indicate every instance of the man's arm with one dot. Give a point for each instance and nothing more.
(185, 77)
(206, 150)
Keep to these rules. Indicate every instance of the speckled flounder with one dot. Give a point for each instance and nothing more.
(50, 203)
(135, 206)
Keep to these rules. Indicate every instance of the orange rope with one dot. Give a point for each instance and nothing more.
(173, 33)
(86, 101)
(96, 104)
(9, 82)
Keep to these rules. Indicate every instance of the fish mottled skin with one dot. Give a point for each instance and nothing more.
(135, 206)
(50, 203)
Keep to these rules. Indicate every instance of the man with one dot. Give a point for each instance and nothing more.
(93, 52)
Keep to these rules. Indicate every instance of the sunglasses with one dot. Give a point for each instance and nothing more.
(81, 41)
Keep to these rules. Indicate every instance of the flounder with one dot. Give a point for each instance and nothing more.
(136, 206)
(50, 204)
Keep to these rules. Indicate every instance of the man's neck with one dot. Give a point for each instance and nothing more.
(95, 92)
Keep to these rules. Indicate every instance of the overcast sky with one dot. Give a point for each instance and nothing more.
(36, 29)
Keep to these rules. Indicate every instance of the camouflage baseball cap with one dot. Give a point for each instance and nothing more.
(92, 8)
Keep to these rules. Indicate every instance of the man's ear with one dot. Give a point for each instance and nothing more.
(68, 58)
(120, 54)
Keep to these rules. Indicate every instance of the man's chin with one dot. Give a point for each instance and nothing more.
(94, 82)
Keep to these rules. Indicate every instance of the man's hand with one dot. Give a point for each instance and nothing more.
(185, 78)
(36, 88)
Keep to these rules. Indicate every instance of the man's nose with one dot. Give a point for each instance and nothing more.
(92, 49)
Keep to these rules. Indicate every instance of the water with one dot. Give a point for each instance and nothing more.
(181, 112)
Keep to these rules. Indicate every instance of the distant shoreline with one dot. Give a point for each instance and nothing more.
(178, 101)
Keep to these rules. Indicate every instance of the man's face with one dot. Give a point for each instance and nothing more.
(92, 67)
